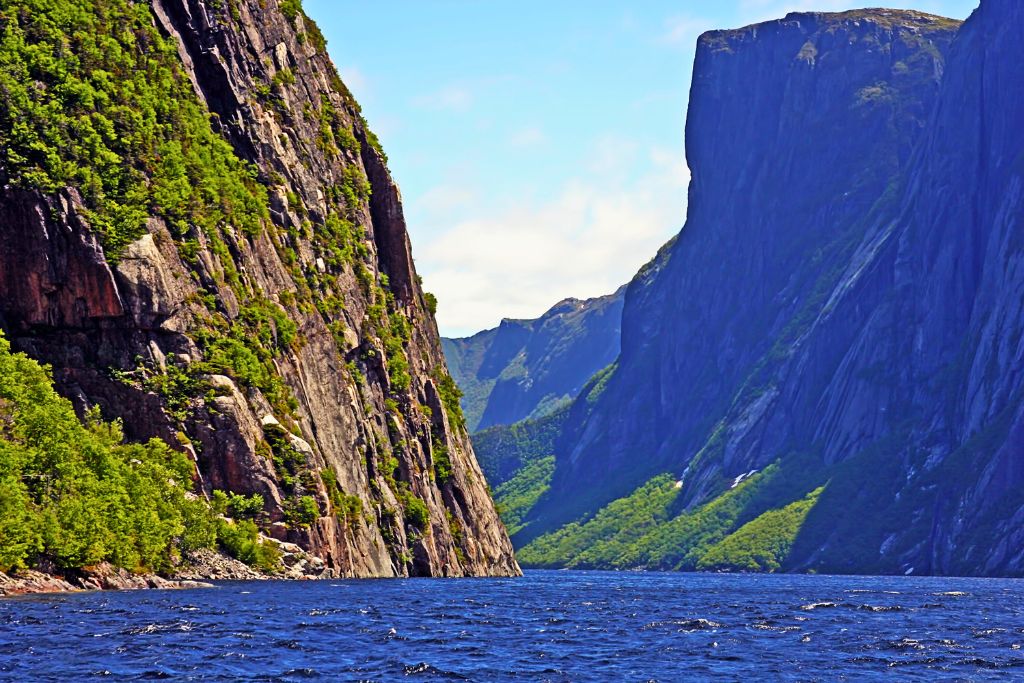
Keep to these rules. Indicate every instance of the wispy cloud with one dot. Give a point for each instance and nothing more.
(444, 199)
(449, 98)
(683, 30)
(589, 237)
(529, 136)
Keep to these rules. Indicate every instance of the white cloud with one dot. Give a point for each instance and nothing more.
(443, 199)
(449, 98)
(530, 136)
(586, 240)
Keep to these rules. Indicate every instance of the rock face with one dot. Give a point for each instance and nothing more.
(358, 416)
(795, 128)
(527, 368)
(845, 298)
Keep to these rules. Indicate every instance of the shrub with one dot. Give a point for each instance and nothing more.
(301, 512)
(431, 302)
(451, 396)
(75, 492)
(245, 507)
(442, 463)
(416, 512)
(242, 541)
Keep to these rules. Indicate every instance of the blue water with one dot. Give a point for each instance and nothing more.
(555, 626)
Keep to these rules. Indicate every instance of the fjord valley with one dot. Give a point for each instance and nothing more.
(204, 256)
(822, 371)
(221, 372)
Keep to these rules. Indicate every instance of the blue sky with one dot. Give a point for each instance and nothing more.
(538, 143)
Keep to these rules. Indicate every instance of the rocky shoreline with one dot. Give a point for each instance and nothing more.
(198, 568)
(100, 577)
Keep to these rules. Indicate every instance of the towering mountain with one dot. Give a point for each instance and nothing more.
(201, 237)
(528, 368)
(823, 372)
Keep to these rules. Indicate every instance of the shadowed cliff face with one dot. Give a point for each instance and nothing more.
(795, 128)
(528, 368)
(842, 309)
(352, 405)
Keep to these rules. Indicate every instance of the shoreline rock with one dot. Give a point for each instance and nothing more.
(199, 567)
(209, 565)
(101, 577)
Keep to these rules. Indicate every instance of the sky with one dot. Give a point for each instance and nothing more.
(538, 144)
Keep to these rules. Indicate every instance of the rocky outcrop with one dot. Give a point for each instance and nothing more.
(528, 368)
(353, 410)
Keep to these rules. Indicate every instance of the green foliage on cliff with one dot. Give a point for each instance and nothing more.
(301, 512)
(93, 97)
(245, 349)
(442, 463)
(763, 544)
(450, 396)
(242, 541)
(416, 511)
(517, 496)
(755, 521)
(76, 494)
(347, 507)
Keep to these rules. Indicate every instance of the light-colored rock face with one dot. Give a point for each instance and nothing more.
(98, 325)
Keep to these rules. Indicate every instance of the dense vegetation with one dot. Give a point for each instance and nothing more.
(503, 450)
(76, 494)
(752, 525)
(517, 496)
(519, 462)
(93, 97)
(762, 544)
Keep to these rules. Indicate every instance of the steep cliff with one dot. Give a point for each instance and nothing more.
(826, 364)
(795, 128)
(201, 236)
(528, 368)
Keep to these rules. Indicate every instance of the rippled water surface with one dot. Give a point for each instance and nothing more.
(547, 626)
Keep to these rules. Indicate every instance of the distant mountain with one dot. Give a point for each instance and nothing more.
(825, 370)
(529, 368)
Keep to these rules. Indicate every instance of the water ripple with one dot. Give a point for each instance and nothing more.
(549, 626)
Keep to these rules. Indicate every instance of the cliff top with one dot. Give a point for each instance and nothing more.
(816, 21)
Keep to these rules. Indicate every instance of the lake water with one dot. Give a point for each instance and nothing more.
(556, 626)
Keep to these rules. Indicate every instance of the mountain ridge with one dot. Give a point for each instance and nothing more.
(527, 367)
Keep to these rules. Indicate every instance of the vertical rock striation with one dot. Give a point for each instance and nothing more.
(298, 361)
